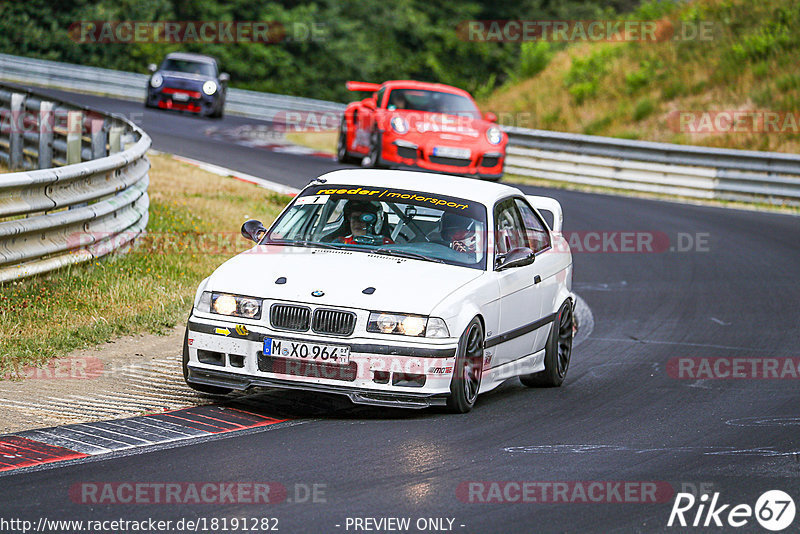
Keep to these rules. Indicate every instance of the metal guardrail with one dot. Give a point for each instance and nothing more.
(689, 171)
(89, 195)
(132, 86)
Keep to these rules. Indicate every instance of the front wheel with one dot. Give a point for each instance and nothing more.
(558, 352)
(468, 369)
(341, 145)
(202, 388)
(373, 160)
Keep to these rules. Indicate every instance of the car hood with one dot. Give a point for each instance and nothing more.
(184, 79)
(401, 285)
(451, 127)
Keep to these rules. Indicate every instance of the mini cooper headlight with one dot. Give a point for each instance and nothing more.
(406, 325)
(156, 80)
(494, 135)
(399, 125)
(232, 305)
(210, 87)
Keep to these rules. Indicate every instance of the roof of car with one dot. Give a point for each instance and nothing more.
(188, 56)
(412, 84)
(441, 184)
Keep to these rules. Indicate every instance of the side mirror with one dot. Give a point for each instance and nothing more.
(224, 77)
(369, 103)
(516, 257)
(489, 116)
(253, 230)
(152, 67)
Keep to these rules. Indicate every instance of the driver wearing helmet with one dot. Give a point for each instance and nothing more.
(459, 232)
(362, 218)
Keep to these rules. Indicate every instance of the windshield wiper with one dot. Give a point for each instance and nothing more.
(405, 254)
(305, 243)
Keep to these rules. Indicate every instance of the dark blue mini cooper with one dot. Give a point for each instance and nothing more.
(188, 82)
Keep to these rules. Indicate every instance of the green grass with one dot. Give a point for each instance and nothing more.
(194, 226)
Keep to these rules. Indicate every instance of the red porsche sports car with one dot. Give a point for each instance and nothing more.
(425, 125)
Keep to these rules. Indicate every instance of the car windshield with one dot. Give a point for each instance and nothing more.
(190, 67)
(432, 101)
(395, 222)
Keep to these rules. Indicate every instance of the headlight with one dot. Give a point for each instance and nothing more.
(156, 80)
(210, 87)
(406, 325)
(232, 305)
(399, 125)
(436, 328)
(494, 135)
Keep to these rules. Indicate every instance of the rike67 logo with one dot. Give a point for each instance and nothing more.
(774, 510)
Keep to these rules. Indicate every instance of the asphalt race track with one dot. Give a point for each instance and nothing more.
(624, 413)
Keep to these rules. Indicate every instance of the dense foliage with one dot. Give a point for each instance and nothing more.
(362, 40)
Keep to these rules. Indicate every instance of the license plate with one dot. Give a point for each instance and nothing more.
(180, 97)
(452, 152)
(310, 352)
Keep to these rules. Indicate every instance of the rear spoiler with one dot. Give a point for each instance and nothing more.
(363, 86)
(548, 204)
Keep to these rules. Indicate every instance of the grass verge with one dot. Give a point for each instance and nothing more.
(195, 217)
(322, 141)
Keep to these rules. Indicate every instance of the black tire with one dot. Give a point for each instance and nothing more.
(468, 369)
(558, 352)
(375, 150)
(341, 145)
(209, 390)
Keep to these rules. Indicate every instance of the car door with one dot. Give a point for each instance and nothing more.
(520, 305)
(545, 268)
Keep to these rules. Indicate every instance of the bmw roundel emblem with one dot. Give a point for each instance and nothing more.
(317, 293)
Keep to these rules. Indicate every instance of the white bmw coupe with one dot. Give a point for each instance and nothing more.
(394, 288)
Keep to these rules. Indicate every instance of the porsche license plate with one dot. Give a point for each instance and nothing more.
(452, 152)
(311, 352)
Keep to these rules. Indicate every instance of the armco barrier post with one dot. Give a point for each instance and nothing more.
(74, 131)
(99, 134)
(15, 134)
(115, 139)
(46, 123)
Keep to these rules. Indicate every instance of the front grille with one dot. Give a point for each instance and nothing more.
(288, 317)
(283, 366)
(490, 161)
(407, 152)
(335, 322)
(454, 162)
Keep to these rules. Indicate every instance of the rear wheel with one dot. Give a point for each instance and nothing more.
(341, 145)
(558, 352)
(375, 150)
(202, 388)
(468, 369)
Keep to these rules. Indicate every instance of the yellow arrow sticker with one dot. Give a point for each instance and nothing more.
(223, 331)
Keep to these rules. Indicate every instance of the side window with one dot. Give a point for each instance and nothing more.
(537, 233)
(379, 97)
(509, 232)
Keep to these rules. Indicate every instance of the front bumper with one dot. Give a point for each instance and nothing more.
(482, 163)
(380, 372)
(182, 100)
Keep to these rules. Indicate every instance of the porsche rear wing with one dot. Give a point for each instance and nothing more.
(363, 86)
(548, 204)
